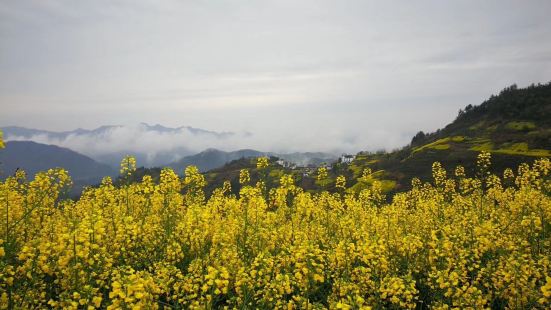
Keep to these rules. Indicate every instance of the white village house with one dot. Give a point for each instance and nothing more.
(346, 159)
(286, 164)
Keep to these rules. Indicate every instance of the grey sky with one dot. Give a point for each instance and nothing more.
(299, 75)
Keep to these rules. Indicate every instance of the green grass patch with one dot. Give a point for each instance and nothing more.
(484, 146)
(522, 149)
(441, 147)
(520, 126)
(276, 173)
(356, 170)
(324, 183)
(477, 126)
(517, 147)
(377, 175)
(386, 185)
(440, 144)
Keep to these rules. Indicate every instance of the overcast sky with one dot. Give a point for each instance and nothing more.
(299, 75)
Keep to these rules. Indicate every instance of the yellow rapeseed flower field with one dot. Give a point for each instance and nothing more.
(458, 242)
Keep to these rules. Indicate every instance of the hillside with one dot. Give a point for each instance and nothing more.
(514, 116)
(212, 158)
(514, 126)
(34, 157)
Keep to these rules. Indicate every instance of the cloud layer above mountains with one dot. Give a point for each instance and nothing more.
(161, 145)
(300, 75)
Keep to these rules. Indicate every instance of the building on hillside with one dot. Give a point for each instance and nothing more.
(347, 159)
(286, 164)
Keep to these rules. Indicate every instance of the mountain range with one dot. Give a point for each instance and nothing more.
(29, 133)
(152, 145)
(33, 157)
(514, 126)
(35, 150)
(213, 158)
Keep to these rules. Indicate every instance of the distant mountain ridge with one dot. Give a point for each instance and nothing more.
(33, 157)
(213, 158)
(152, 145)
(11, 132)
(176, 151)
(305, 159)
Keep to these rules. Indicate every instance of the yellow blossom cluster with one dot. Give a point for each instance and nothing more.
(340, 182)
(262, 162)
(456, 242)
(244, 176)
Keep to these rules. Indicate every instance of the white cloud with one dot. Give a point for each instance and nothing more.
(298, 75)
